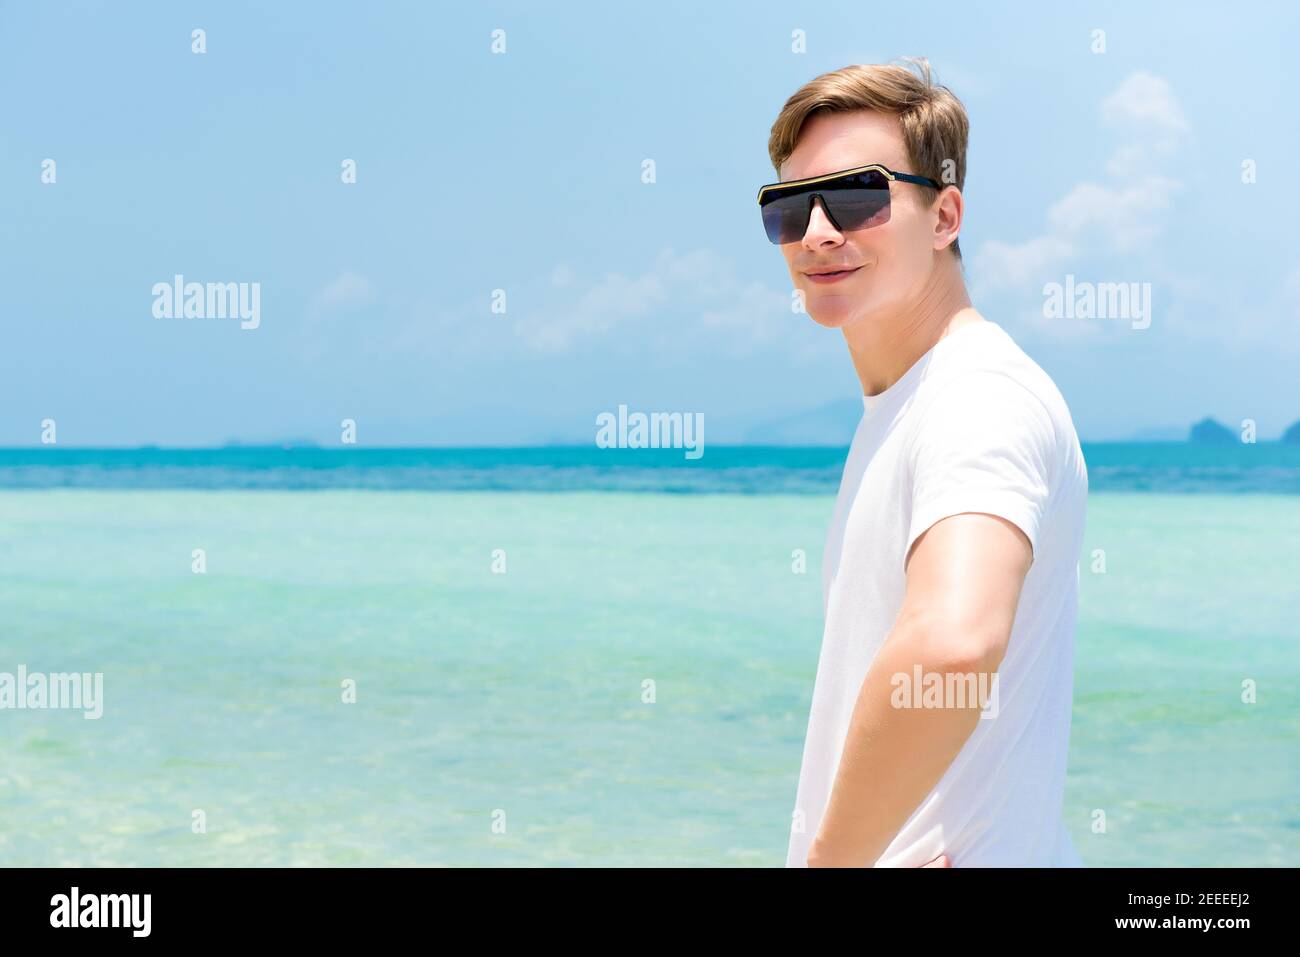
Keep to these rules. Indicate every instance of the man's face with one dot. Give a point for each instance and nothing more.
(892, 261)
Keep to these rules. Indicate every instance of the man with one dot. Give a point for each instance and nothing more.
(940, 716)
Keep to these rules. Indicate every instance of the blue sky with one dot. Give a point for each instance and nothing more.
(522, 172)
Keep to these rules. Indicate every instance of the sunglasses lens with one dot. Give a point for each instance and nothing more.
(858, 208)
(786, 219)
(858, 203)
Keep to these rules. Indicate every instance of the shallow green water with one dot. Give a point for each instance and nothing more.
(481, 693)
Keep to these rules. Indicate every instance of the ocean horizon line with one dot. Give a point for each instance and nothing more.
(497, 447)
(1151, 466)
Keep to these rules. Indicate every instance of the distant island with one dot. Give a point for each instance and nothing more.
(1209, 432)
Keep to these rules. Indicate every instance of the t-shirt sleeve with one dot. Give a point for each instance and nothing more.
(984, 443)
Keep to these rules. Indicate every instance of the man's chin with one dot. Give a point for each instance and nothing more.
(838, 311)
(835, 318)
(830, 320)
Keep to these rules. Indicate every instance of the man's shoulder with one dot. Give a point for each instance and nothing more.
(996, 372)
(990, 402)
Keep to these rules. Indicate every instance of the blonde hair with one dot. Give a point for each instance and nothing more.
(934, 122)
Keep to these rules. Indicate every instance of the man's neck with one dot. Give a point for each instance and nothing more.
(883, 348)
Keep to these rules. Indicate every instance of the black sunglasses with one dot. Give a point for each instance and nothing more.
(853, 199)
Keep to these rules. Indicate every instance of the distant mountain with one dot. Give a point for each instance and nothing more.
(831, 424)
(1209, 432)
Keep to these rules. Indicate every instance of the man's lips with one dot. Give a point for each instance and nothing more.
(836, 276)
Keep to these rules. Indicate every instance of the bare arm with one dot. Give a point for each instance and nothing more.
(964, 577)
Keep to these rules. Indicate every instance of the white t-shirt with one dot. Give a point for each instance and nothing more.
(973, 426)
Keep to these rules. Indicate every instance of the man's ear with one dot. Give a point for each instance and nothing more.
(951, 208)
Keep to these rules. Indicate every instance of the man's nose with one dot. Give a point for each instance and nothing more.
(820, 228)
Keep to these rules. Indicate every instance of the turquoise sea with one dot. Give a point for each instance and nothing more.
(517, 697)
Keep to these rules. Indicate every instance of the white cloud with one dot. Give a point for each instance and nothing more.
(1126, 217)
(604, 304)
(1100, 217)
(1121, 217)
(1019, 264)
(345, 291)
(677, 298)
(1144, 102)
